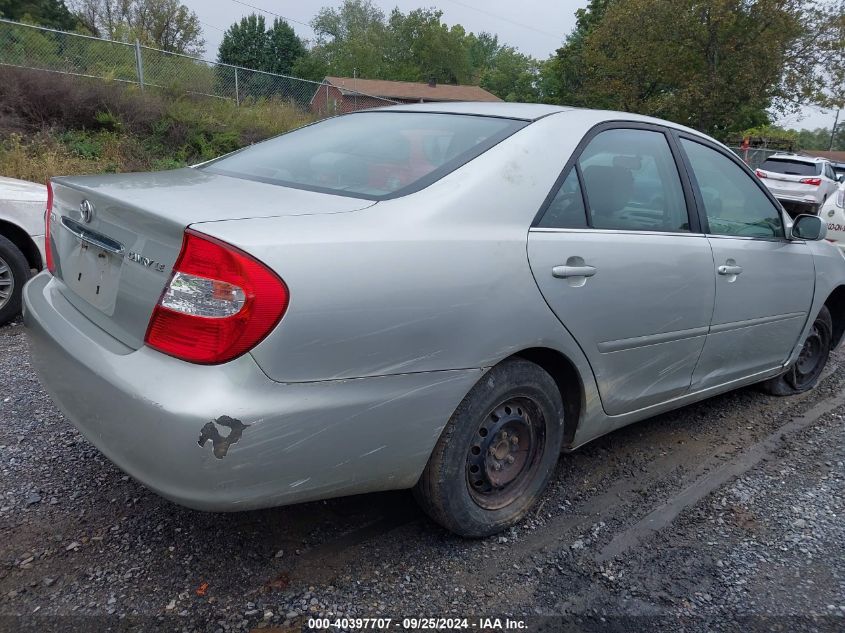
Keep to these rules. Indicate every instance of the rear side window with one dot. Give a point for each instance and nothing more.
(631, 182)
(566, 210)
(733, 202)
(373, 155)
(791, 167)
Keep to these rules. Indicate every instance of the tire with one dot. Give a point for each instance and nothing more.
(805, 372)
(14, 272)
(497, 453)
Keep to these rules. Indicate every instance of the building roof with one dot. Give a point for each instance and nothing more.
(506, 109)
(411, 90)
(837, 157)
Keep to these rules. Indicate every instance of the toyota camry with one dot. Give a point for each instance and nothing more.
(441, 297)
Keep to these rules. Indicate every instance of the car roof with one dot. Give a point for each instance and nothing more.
(524, 111)
(528, 112)
(798, 157)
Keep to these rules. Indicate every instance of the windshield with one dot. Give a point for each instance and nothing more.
(791, 167)
(374, 155)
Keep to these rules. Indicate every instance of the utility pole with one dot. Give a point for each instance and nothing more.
(833, 131)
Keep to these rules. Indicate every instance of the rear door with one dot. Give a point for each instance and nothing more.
(764, 282)
(621, 262)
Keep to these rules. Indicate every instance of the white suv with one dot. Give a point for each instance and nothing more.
(801, 183)
(833, 213)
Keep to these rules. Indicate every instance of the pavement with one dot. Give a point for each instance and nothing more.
(726, 515)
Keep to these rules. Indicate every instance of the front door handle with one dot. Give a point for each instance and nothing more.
(727, 269)
(565, 272)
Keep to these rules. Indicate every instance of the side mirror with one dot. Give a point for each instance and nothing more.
(809, 227)
(840, 178)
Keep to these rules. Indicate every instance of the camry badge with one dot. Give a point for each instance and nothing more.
(86, 208)
(145, 261)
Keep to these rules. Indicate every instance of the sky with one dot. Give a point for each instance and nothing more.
(535, 27)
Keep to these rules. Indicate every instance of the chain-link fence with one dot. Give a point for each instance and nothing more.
(754, 156)
(34, 47)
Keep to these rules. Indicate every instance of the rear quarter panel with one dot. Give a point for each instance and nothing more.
(436, 280)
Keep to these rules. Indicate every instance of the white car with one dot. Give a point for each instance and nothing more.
(833, 213)
(801, 183)
(22, 206)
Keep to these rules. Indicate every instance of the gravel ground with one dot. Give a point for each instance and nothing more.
(725, 515)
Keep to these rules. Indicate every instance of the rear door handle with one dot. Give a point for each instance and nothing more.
(564, 272)
(725, 269)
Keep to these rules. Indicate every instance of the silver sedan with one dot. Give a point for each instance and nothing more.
(439, 296)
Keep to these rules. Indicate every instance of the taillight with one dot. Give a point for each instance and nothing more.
(760, 174)
(48, 246)
(219, 303)
(815, 182)
(840, 198)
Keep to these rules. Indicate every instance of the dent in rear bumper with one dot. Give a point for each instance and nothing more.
(227, 437)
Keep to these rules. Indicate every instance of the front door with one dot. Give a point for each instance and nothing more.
(615, 257)
(764, 282)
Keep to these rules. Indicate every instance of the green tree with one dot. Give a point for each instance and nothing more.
(349, 40)
(164, 24)
(512, 76)
(719, 65)
(50, 13)
(420, 48)
(819, 138)
(562, 76)
(284, 48)
(483, 49)
(245, 43)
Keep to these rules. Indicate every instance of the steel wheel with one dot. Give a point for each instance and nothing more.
(497, 453)
(812, 359)
(505, 454)
(805, 372)
(7, 283)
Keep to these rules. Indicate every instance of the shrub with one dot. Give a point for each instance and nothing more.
(53, 124)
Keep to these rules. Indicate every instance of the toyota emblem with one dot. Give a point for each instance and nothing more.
(86, 208)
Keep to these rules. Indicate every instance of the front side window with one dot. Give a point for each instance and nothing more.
(373, 155)
(733, 202)
(631, 182)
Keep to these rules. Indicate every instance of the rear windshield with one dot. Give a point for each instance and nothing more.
(792, 167)
(373, 155)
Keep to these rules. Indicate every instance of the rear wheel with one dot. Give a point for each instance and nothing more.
(14, 271)
(497, 453)
(805, 372)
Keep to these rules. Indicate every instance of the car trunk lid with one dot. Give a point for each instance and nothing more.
(116, 237)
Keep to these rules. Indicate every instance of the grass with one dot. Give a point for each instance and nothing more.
(54, 125)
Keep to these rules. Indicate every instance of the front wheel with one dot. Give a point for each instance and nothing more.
(805, 372)
(14, 272)
(497, 453)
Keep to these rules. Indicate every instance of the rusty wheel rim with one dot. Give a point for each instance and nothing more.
(505, 452)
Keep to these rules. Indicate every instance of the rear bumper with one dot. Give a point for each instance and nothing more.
(809, 199)
(263, 443)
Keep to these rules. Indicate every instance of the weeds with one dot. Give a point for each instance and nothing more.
(56, 125)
